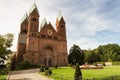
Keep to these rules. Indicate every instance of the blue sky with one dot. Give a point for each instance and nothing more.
(89, 23)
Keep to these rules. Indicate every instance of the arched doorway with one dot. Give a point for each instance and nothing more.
(48, 56)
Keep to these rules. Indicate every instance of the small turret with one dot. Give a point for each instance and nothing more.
(60, 26)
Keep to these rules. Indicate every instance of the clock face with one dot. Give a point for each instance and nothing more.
(49, 32)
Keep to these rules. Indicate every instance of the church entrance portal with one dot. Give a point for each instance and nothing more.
(48, 56)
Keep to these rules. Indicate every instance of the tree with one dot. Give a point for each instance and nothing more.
(109, 52)
(5, 44)
(90, 56)
(78, 74)
(76, 55)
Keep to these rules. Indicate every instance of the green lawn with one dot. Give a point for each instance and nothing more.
(3, 77)
(67, 73)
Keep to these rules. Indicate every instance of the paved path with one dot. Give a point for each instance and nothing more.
(32, 74)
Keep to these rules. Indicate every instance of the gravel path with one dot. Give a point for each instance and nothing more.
(32, 74)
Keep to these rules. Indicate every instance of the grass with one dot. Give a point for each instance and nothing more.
(3, 77)
(67, 73)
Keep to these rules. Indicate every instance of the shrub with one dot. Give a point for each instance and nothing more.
(95, 64)
(78, 74)
(42, 68)
(116, 63)
(104, 64)
(70, 65)
(48, 72)
(13, 63)
(8, 66)
(23, 65)
(56, 67)
(26, 65)
(3, 69)
(46, 67)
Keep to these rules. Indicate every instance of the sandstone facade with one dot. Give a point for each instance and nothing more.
(46, 46)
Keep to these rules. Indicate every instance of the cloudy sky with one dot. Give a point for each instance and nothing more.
(89, 23)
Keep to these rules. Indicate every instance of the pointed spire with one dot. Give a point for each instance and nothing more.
(44, 22)
(34, 6)
(59, 16)
(24, 17)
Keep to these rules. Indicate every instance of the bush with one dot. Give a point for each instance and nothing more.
(26, 65)
(48, 72)
(4, 69)
(78, 74)
(23, 65)
(46, 67)
(42, 68)
(56, 67)
(95, 64)
(13, 63)
(104, 64)
(116, 63)
(8, 66)
(70, 65)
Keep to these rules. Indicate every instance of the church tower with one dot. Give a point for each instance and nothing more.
(22, 38)
(32, 39)
(33, 21)
(60, 26)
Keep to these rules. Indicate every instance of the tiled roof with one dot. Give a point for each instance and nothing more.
(59, 16)
(44, 21)
(24, 17)
(33, 8)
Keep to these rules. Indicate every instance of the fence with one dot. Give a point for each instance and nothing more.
(61, 77)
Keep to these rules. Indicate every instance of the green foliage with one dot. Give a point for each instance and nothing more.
(95, 64)
(103, 64)
(46, 67)
(75, 55)
(109, 52)
(26, 65)
(4, 69)
(56, 66)
(78, 74)
(104, 53)
(5, 44)
(42, 69)
(90, 56)
(13, 62)
(116, 63)
(70, 65)
(48, 72)
(8, 66)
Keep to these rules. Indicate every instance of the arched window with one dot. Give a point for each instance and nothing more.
(34, 19)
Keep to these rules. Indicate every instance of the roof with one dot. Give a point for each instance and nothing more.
(59, 16)
(24, 17)
(44, 21)
(34, 6)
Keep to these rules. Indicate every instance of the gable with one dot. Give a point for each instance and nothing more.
(48, 30)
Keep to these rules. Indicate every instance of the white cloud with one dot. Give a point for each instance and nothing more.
(84, 18)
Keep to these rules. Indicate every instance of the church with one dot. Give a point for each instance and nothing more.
(42, 45)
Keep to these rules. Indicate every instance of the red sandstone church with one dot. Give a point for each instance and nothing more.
(46, 46)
